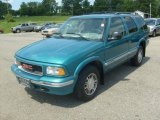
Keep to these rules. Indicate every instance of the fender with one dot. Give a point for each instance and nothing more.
(87, 61)
(144, 39)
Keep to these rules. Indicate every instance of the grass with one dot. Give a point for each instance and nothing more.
(6, 26)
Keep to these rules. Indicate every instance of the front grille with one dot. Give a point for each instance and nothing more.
(33, 69)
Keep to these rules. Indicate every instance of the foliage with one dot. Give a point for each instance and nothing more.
(3, 9)
(78, 7)
(9, 18)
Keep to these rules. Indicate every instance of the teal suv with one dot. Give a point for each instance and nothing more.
(75, 59)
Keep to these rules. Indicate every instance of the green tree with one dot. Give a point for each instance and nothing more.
(77, 7)
(67, 6)
(50, 6)
(23, 9)
(3, 9)
(86, 6)
(101, 5)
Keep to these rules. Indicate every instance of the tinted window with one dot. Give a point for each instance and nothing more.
(116, 26)
(158, 22)
(141, 23)
(132, 27)
(150, 22)
(23, 24)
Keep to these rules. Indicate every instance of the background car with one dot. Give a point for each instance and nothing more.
(27, 27)
(50, 30)
(38, 28)
(1, 31)
(153, 25)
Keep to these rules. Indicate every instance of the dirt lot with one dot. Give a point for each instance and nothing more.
(129, 93)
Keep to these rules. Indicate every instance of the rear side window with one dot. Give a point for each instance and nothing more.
(141, 23)
(132, 27)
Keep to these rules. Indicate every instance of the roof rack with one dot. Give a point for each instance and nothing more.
(111, 12)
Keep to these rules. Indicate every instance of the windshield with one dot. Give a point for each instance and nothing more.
(150, 22)
(88, 29)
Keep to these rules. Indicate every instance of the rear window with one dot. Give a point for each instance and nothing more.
(132, 27)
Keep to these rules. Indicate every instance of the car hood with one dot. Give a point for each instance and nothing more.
(18, 26)
(58, 51)
(151, 26)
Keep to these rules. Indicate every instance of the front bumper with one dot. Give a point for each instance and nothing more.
(151, 33)
(48, 84)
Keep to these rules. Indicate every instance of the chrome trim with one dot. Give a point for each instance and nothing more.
(20, 67)
(53, 84)
(49, 84)
(120, 57)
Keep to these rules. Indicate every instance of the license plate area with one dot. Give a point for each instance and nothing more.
(23, 81)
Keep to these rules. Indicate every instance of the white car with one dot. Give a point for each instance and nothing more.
(50, 30)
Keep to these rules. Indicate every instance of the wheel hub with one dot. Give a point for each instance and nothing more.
(140, 56)
(91, 84)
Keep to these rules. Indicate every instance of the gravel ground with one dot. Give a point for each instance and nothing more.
(129, 93)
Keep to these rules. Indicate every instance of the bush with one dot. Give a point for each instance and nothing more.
(9, 18)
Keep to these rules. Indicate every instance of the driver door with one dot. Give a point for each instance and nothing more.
(116, 49)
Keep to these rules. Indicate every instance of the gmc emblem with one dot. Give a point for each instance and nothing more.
(27, 67)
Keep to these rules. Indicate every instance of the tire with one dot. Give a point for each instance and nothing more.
(154, 33)
(138, 58)
(87, 84)
(18, 31)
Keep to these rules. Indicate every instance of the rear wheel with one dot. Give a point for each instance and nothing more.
(87, 84)
(138, 59)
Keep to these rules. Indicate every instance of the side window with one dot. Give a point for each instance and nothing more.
(27, 25)
(116, 26)
(158, 22)
(141, 22)
(132, 27)
(23, 24)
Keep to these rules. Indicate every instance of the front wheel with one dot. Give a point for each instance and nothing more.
(138, 58)
(18, 31)
(87, 84)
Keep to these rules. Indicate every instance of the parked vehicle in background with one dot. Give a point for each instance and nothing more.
(48, 32)
(153, 25)
(76, 58)
(27, 27)
(1, 31)
(38, 28)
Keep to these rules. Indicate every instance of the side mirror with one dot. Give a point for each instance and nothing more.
(116, 36)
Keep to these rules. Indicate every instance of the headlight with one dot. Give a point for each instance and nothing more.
(17, 62)
(57, 71)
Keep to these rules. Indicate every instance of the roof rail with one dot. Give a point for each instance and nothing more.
(112, 12)
(124, 13)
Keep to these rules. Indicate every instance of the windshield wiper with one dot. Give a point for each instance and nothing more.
(79, 36)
